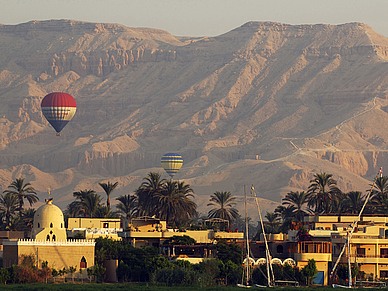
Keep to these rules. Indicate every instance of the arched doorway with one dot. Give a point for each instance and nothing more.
(83, 263)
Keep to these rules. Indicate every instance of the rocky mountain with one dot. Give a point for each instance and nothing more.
(268, 104)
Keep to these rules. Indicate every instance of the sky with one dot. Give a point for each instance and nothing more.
(199, 17)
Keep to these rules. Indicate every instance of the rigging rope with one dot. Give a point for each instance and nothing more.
(270, 275)
(380, 173)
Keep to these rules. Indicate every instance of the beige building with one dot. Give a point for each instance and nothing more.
(49, 243)
(91, 228)
(368, 245)
(150, 231)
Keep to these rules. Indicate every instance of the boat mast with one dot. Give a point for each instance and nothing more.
(347, 244)
(246, 233)
(349, 265)
(267, 254)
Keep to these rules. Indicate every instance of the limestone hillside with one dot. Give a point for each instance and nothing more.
(267, 104)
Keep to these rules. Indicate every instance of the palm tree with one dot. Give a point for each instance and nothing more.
(27, 219)
(127, 205)
(353, 202)
(108, 188)
(322, 190)
(147, 192)
(273, 222)
(296, 199)
(22, 191)
(9, 204)
(174, 203)
(288, 216)
(105, 212)
(87, 201)
(380, 190)
(223, 201)
(380, 205)
(73, 209)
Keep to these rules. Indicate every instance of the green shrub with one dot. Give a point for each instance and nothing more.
(175, 277)
(4, 275)
(310, 271)
(230, 273)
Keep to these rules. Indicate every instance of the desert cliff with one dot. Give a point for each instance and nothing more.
(268, 104)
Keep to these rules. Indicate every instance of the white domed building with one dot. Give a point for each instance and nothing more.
(49, 243)
(49, 224)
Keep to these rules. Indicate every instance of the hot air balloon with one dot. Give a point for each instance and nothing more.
(59, 109)
(171, 163)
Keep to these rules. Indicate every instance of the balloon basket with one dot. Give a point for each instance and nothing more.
(58, 134)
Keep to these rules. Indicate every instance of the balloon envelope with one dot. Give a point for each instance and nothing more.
(59, 109)
(171, 163)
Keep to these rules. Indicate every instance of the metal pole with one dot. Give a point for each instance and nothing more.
(246, 233)
(267, 253)
(356, 221)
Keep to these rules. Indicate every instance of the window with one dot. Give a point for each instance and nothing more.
(54, 237)
(61, 225)
(38, 225)
(279, 249)
(51, 225)
(48, 238)
(361, 252)
(384, 253)
(83, 263)
(105, 225)
(383, 274)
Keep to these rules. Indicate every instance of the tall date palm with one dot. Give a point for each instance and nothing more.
(298, 200)
(9, 204)
(127, 205)
(321, 192)
(147, 192)
(22, 191)
(224, 206)
(174, 203)
(87, 202)
(108, 188)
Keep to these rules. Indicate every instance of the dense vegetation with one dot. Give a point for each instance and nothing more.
(146, 265)
(172, 201)
(324, 197)
(166, 199)
(142, 287)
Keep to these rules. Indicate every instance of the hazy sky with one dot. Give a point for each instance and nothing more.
(199, 17)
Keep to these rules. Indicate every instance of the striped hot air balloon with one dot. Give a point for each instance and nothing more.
(59, 109)
(171, 163)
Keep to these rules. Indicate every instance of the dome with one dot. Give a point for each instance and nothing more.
(48, 216)
(49, 224)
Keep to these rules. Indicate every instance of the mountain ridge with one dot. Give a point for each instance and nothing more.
(284, 101)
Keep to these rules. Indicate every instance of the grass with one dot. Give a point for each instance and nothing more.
(143, 287)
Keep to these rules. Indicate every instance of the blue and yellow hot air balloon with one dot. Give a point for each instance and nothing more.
(171, 163)
(58, 108)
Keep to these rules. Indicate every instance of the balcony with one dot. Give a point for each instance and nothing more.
(364, 259)
(140, 234)
(304, 251)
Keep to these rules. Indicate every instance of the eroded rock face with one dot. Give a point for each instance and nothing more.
(263, 102)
